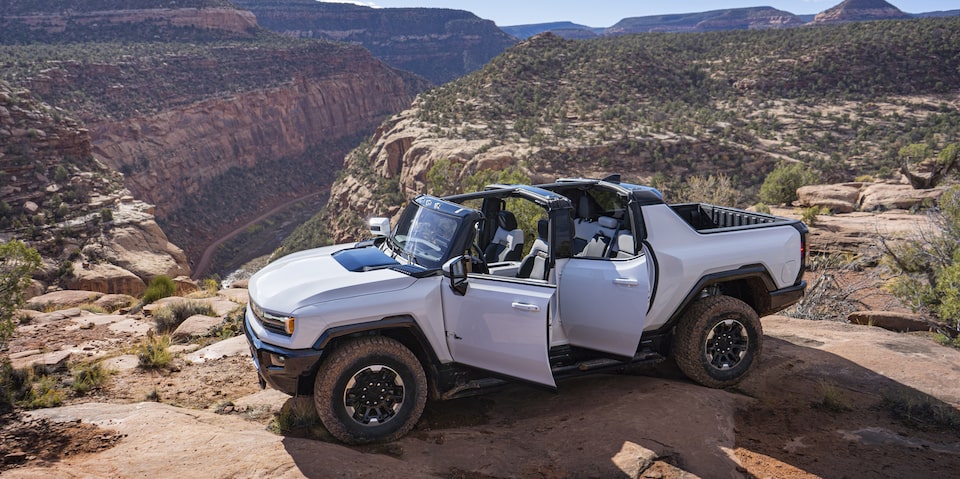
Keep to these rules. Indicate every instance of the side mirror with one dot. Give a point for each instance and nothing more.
(379, 226)
(457, 269)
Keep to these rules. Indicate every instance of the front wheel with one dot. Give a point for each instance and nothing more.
(717, 341)
(370, 389)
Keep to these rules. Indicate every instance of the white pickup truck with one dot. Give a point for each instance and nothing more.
(517, 282)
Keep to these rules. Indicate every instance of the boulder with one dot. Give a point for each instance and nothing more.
(63, 299)
(106, 278)
(195, 326)
(841, 198)
(882, 196)
(113, 302)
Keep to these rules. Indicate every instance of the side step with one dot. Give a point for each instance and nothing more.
(606, 364)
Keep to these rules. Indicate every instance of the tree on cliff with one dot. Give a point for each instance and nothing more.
(17, 264)
(920, 156)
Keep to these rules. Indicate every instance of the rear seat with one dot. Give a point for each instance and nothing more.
(593, 238)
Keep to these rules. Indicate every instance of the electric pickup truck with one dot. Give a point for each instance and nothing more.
(518, 283)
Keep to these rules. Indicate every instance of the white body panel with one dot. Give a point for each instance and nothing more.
(603, 303)
(685, 255)
(501, 326)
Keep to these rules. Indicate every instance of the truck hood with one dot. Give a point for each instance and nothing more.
(324, 274)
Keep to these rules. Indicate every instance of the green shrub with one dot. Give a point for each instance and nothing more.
(780, 186)
(17, 264)
(169, 317)
(762, 208)
(809, 215)
(154, 352)
(42, 393)
(926, 265)
(159, 287)
(88, 377)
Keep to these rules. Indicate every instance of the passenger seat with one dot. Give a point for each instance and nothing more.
(534, 263)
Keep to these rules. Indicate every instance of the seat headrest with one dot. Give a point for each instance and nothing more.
(543, 228)
(607, 222)
(507, 220)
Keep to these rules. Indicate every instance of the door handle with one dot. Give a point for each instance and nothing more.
(526, 307)
(626, 282)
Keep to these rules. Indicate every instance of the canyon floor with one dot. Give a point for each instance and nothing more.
(828, 399)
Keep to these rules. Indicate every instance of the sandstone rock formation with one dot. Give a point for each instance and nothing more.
(25, 23)
(860, 10)
(212, 133)
(840, 198)
(74, 210)
(437, 43)
(849, 197)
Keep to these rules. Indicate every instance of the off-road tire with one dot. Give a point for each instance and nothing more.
(717, 341)
(395, 391)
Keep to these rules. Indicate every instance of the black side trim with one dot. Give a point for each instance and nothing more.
(748, 271)
(347, 330)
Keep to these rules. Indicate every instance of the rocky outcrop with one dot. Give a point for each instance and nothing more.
(59, 199)
(215, 163)
(214, 134)
(125, 22)
(887, 197)
(840, 198)
(849, 197)
(437, 43)
(860, 10)
(755, 18)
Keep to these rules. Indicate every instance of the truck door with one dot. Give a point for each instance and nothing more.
(500, 325)
(603, 303)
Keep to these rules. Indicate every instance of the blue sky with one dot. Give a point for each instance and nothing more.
(604, 13)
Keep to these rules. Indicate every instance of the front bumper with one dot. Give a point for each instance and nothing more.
(287, 370)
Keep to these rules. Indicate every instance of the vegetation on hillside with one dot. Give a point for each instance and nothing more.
(833, 97)
(839, 102)
(928, 265)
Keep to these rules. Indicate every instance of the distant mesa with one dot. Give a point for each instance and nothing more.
(860, 10)
(715, 20)
(439, 44)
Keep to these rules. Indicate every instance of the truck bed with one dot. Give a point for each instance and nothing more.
(707, 218)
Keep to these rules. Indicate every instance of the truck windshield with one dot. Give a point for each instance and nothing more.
(424, 235)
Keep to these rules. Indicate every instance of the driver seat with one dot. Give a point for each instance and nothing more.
(507, 244)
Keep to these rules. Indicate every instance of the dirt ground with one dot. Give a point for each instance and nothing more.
(828, 400)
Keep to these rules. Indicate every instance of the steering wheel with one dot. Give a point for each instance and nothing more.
(478, 260)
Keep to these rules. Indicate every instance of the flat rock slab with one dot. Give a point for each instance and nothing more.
(49, 360)
(598, 426)
(237, 295)
(166, 441)
(871, 359)
(235, 346)
(127, 362)
(64, 299)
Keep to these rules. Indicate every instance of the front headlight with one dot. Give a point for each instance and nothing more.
(278, 323)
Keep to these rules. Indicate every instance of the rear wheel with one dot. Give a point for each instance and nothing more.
(717, 341)
(370, 389)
